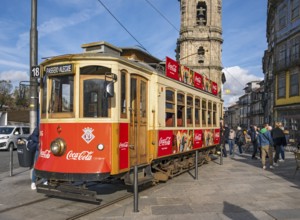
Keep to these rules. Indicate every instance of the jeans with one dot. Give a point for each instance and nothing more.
(255, 145)
(33, 177)
(240, 148)
(282, 152)
(231, 146)
(277, 152)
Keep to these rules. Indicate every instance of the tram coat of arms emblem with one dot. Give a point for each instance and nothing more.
(88, 135)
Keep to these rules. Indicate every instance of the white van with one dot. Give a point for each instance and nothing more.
(10, 134)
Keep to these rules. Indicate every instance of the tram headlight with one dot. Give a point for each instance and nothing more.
(58, 147)
(100, 146)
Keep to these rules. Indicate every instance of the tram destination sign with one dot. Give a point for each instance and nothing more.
(59, 69)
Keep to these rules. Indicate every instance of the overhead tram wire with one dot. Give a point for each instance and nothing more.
(123, 26)
(161, 14)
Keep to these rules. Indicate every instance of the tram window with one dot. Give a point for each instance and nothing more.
(189, 110)
(123, 96)
(214, 114)
(209, 114)
(95, 103)
(204, 112)
(170, 108)
(143, 99)
(197, 112)
(180, 110)
(44, 99)
(62, 92)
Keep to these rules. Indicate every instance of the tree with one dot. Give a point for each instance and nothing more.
(21, 95)
(5, 93)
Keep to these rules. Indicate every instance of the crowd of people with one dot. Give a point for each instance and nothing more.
(267, 142)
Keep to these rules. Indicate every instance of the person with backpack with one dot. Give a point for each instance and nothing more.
(254, 140)
(279, 140)
(240, 139)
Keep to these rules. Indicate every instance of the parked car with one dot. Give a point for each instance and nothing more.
(9, 136)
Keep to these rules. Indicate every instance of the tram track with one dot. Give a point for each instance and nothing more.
(99, 207)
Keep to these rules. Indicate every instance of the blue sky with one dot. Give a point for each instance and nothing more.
(64, 25)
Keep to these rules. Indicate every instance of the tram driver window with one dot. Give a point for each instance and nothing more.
(123, 95)
(180, 110)
(62, 92)
(204, 110)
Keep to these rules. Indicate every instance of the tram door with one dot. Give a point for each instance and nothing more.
(138, 121)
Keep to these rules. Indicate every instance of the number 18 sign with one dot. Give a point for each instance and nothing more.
(35, 71)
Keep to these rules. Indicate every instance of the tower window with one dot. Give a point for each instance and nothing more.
(201, 54)
(201, 15)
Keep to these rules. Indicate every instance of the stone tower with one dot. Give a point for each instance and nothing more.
(200, 40)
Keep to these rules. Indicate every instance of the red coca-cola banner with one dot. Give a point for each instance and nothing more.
(123, 146)
(217, 136)
(198, 81)
(198, 139)
(214, 88)
(165, 141)
(172, 69)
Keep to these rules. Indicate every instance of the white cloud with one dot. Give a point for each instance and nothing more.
(236, 80)
(15, 76)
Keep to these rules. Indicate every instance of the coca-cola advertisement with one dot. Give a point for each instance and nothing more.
(123, 146)
(198, 81)
(214, 88)
(165, 143)
(217, 136)
(172, 68)
(83, 155)
(198, 139)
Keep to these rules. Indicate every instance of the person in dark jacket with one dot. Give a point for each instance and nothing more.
(240, 139)
(265, 142)
(33, 146)
(278, 139)
(254, 140)
(224, 138)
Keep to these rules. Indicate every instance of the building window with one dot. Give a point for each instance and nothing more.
(294, 84)
(281, 86)
(180, 110)
(189, 111)
(282, 17)
(201, 54)
(295, 49)
(294, 9)
(201, 17)
(170, 108)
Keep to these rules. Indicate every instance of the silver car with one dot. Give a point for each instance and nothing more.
(10, 134)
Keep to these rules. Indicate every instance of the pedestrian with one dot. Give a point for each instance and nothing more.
(282, 151)
(254, 140)
(33, 146)
(240, 139)
(224, 139)
(265, 142)
(231, 142)
(279, 140)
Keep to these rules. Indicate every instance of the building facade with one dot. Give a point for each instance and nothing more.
(281, 63)
(200, 40)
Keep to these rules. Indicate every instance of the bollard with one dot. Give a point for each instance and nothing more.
(11, 164)
(196, 164)
(136, 190)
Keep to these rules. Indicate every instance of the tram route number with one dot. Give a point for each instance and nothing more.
(35, 72)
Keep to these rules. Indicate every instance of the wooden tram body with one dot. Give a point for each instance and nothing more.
(104, 112)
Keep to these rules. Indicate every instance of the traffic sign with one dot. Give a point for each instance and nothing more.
(35, 72)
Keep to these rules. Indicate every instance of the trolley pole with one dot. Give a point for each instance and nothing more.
(33, 62)
(196, 164)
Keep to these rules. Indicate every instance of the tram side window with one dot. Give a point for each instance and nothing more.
(215, 114)
(197, 112)
(209, 114)
(180, 110)
(189, 111)
(62, 92)
(123, 96)
(95, 102)
(44, 98)
(170, 108)
(204, 113)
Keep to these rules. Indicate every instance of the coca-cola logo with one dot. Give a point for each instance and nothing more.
(123, 145)
(217, 135)
(198, 79)
(214, 87)
(172, 67)
(198, 137)
(45, 154)
(164, 141)
(84, 155)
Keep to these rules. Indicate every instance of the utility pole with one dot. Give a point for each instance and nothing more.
(33, 62)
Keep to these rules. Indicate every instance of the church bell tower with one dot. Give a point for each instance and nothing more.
(200, 40)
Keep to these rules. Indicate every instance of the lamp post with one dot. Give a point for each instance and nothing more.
(33, 106)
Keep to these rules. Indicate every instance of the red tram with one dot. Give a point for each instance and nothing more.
(108, 109)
